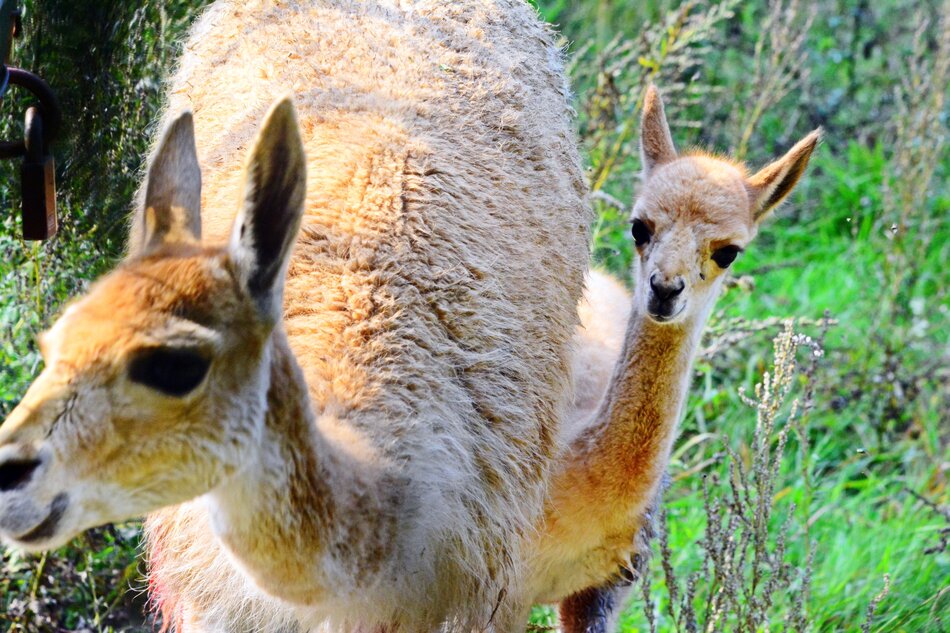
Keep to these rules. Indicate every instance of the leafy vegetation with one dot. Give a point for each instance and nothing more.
(857, 500)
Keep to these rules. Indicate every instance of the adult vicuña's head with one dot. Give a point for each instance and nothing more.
(695, 214)
(155, 382)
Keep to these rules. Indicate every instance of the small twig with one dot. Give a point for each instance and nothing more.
(875, 601)
(609, 200)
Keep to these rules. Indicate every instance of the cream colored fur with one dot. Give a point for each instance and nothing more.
(376, 459)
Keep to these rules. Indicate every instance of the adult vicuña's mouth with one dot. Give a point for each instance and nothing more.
(47, 527)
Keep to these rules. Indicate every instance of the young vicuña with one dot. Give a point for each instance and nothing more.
(694, 215)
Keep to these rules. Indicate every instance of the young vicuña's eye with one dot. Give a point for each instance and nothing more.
(174, 372)
(641, 232)
(726, 255)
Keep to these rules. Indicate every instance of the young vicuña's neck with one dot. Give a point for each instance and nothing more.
(638, 418)
(653, 371)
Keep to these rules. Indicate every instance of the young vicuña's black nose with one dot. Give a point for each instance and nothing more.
(666, 292)
(16, 472)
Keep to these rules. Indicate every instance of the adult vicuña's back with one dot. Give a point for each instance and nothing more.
(373, 455)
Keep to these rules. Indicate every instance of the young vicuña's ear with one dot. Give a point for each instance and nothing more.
(656, 142)
(275, 185)
(769, 186)
(171, 211)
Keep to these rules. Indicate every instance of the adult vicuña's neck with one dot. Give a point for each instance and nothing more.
(271, 515)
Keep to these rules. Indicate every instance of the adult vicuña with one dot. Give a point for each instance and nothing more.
(693, 217)
(373, 457)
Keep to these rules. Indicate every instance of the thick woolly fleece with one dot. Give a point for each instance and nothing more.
(430, 300)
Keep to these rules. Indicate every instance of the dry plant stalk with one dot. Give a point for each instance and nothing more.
(722, 335)
(920, 135)
(745, 567)
(776, 67)
(669, 53)
(908, 217)
(875, 601)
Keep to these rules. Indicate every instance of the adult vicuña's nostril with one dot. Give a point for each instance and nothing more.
(16, 473)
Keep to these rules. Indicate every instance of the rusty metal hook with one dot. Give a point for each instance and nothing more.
(49, 106)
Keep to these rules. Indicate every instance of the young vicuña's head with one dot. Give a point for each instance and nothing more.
(155, 381)
(695, 214)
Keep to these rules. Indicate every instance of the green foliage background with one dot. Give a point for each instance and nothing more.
(865, 238)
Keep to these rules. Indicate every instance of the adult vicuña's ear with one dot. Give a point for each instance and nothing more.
(275, 185)
(769, 186)
(171, 210)
(656, 142)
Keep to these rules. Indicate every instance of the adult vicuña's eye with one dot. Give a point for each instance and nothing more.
(726, 255)
(174, 372)
(641, 232)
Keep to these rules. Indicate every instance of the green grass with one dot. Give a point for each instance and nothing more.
(880, 424)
